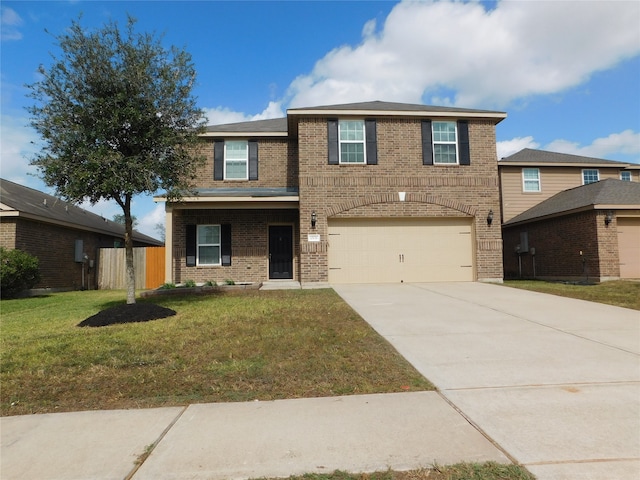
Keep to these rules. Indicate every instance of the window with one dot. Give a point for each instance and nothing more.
(445, 143)
(208, 245)
(352, 141)
(590, 176)
(531, 179)
(625, 175)
(236, 160)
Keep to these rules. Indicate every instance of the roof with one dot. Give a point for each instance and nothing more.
(606, 194)
(18, 200)
(278, 126)
(530, 156)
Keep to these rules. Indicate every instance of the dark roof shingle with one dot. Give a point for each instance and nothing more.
(532, 156)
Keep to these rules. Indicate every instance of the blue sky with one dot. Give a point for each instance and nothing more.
(566, 72)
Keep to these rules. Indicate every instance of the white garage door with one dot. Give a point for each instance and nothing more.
(629, 247)
(385, 250)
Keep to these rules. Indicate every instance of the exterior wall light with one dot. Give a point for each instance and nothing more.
(314, 219)
(490, 217)
(608, 218)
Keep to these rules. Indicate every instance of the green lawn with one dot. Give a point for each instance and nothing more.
(619, 293)
(222, 347)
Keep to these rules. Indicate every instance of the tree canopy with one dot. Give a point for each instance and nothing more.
(118, 118)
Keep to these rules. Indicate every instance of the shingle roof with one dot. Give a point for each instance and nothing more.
(38, 205)
(610, 192)
(267, 126)
(391, 107)
(532, 156)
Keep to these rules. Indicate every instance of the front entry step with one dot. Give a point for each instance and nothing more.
(280, 285)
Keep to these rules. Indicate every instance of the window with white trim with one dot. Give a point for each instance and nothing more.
(625, 175)
(531, 180)
(590, 176)
(351, 137)
(208, 245)
(236, 160)
(445, 143)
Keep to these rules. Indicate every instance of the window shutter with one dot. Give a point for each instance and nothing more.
(218, 160)
(372, 146)
(225, 244)
(427, 143)
(463, 142)
(332, 138)
(191, 247)
(253, 160)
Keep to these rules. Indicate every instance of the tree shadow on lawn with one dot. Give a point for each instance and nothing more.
(123, 313)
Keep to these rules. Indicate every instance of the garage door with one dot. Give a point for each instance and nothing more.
(629, 247)
(400, 250)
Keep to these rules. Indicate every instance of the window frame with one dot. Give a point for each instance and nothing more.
(584, 172)
(628, 173)
(435, 142)
(363, 142)
(525, 180)
(198, 245)
(246, 160)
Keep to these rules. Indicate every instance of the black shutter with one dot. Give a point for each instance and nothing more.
(253, 160)
(463, 142)
(332, 138)
(225, 244)
(190, 241)
(427, 143)
(218, 160)
(372, 146)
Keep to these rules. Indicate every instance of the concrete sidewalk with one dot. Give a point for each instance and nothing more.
(554, 381)
(243, 440)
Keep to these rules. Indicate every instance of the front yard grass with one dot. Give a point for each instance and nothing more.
(253, 345)
(619, 293)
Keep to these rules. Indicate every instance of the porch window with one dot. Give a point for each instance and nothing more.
(208, 245)
(531, 179)
(236, 160)
(590, 176)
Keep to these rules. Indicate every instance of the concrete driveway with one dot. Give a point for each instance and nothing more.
(554, 381)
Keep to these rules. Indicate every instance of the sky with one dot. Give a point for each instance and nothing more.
(566, 72)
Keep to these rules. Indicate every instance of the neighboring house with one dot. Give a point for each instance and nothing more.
(363, 192)
(532, 176)
(65, 238)
(586, 233)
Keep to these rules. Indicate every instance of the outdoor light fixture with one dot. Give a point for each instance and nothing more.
(608, 218)
(314, 219)
(490, 217)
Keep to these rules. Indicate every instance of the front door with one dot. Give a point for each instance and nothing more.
(281, 252)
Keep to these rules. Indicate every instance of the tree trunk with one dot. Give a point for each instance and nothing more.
(128, 245)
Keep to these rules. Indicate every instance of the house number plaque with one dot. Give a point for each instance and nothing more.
(313, 237)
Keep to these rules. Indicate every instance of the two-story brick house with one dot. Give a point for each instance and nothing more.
(365, 192)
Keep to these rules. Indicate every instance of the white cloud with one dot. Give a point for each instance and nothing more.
(478, 57)
(626, 143)
(509, 147)
(147, 224)
(17, 144)
(222, 115)
(10, 21)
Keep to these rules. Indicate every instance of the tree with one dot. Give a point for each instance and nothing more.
(119, 218)
(118, 119)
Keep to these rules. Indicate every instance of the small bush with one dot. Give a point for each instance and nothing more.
(168, 286)
(190, 283)
(229, 282)
(210, 283)
(18, 272)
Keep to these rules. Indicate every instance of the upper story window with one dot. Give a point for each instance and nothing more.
(625, 175)
(590, 176)
(352, 141)
(531, 180)
(445, 143)
(208, 245)
(236, 160)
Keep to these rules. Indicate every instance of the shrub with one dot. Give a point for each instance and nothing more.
(190, 283)
(168, 286)
(210, 283)
(229, 282)
(18, 272)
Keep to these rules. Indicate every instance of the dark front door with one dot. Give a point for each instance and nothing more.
(280, 251)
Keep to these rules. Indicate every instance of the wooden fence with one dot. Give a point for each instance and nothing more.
(148, 263)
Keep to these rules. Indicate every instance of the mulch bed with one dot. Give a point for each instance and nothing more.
(135, 312)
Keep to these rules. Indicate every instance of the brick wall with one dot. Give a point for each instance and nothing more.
(558, 243)
(361, 190)
(249, 240)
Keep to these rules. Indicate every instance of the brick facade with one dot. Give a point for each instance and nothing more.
(575, 247)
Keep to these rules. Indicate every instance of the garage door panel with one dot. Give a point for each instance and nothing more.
(629, 246)
(394, 250)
